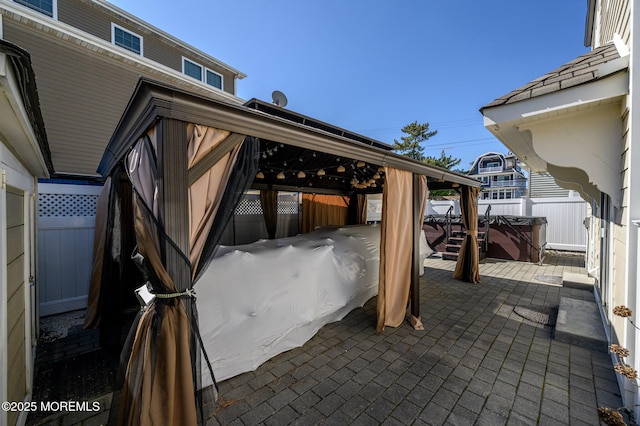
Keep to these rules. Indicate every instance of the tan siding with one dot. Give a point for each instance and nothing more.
(619, 230)
(81, 98)
(615, 19)
(97, 21)
(85, 17)
(16, 248)
(82, 95)
(15, 275)
(16, 360)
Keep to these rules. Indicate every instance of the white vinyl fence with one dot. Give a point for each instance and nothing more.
(565, 217)
(66, 221)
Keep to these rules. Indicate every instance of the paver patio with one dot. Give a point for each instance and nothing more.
(477, 362)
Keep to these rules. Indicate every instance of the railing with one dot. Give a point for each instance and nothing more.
(487, 227)
(489, 169)
(447, 216)
(505, 183)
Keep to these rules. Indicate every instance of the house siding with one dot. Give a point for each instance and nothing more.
(95, 20)
(615, 19)
(16, 361)
(83, 90)
(544, 185)
(86, 18)
(619, 243)
(81, 101)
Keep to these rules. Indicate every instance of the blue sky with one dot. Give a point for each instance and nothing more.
(373, 66)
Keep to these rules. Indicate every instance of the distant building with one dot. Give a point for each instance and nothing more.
(544, 185)
(501, 176)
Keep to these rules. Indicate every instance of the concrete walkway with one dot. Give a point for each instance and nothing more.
(477, 362)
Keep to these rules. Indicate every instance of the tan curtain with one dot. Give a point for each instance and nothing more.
(164, 362)
(162, 395)
(323, 210)
(205, 194)
(357, 209)
(468, 264)
(92, 317)
(396, 247)
(158, 387)
(269, 203)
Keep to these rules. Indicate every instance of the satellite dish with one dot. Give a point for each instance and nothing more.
(279, 98)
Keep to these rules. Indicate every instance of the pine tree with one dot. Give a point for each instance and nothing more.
(411, 144)
(444, 161)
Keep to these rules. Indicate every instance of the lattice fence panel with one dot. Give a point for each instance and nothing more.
(66, 205)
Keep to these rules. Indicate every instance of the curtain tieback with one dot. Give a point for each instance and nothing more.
(188, 292)
(473, 232)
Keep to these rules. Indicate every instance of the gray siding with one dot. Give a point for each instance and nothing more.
(544, 185)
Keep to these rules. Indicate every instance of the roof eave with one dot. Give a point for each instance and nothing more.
(152, 100)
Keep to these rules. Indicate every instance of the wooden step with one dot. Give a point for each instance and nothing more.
(461, 239)
(452, 248)
(450, 255)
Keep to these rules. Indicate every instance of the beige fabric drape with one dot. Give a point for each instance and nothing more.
(160, 387)
(396, 247)
(158, 380)
(92, 316)
(323, 210)
(205, 194)
(468, 264)
(269, 203)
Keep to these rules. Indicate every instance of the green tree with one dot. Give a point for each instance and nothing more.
(411, 145)
(444, 161)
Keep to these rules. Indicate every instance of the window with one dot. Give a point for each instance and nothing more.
(47, 7)
(126, 39)
(195, 70)
(214, 79)
(191, 69)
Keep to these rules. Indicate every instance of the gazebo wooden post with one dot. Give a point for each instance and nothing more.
(174, 187)
(415, 259)
(172, 150)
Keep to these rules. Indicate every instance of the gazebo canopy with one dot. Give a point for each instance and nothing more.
(290, 142)
(187, 160)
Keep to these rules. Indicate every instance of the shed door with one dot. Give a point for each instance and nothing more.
(16, 361)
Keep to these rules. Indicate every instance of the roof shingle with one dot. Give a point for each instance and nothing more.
(580, 70)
